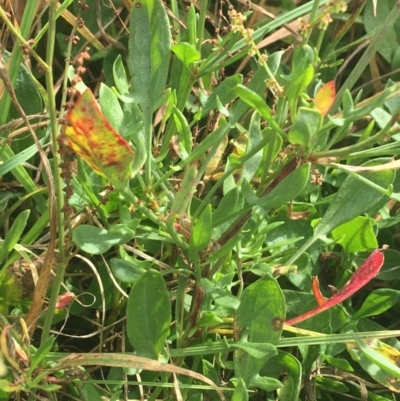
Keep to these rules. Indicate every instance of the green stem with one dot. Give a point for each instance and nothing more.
(58, 183)
(21, 40)
(371, 50)
(201, 23)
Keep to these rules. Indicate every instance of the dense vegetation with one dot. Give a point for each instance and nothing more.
(152, 247)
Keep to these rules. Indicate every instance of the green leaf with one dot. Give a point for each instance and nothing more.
(373, 20)
(40, 354)
(354, 198)
(186, 53)
(185, 134)
(149, 51)
(240, 393)
(96, 241)
(223, 94)
(89, 393)
(332, 385)
(260, 317)
(376, 303)
(231, 202)
(256, 350)
(305, 128)
(186, 191)
(256, 85)
(339, 363)
(120, 78)
(125, 271)
(251, 166)
(201, 231)
(265, 383)
(356, 235)
(110, 107)
(148, 315)
(18, 159)
(254, 100)
(376, 363)
(285, 364)
(287, 189)
(13, 235)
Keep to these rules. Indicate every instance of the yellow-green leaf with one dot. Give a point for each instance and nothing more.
(325, 97)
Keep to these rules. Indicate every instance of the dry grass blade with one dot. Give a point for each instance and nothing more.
(131, 361)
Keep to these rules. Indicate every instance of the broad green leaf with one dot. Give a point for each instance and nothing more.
(125, 271)
(356, 235)
(186, 53)
(287, 189)
(339, 363)
(285, 364)
(92, 137)
(335, 386)
(89, 393)
(306, 127)
(377, 302)
(230, 204)
(373, 19)
(221, 297)
(265, 383)
(260, 318)
(354, 198)
(389, 270)
(148, 315)
(256, 85)
(13, 235)
(254, 100)
(240, 393)
(95, 240)
(149, 52)
(209, 370)
(284, 192)
(256, 350)
(201, 231)
(223, 93)
(110, 107)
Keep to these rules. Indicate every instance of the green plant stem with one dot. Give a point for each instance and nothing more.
(21, 40)
(201, 23)
(56, 172)
(371, 50)
(313, 14)
(384, 191)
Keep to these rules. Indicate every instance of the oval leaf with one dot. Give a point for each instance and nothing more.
(93, 138)
(148, 315)
(325, 97)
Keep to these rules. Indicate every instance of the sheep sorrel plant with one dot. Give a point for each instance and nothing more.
(175, 177)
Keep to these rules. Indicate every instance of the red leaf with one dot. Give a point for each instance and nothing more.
(365, 273)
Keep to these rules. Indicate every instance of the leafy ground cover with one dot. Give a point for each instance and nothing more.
(175, 177)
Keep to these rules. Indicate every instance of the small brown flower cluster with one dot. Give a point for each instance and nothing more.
(66, 153)
(335, 7)
(81, 58)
